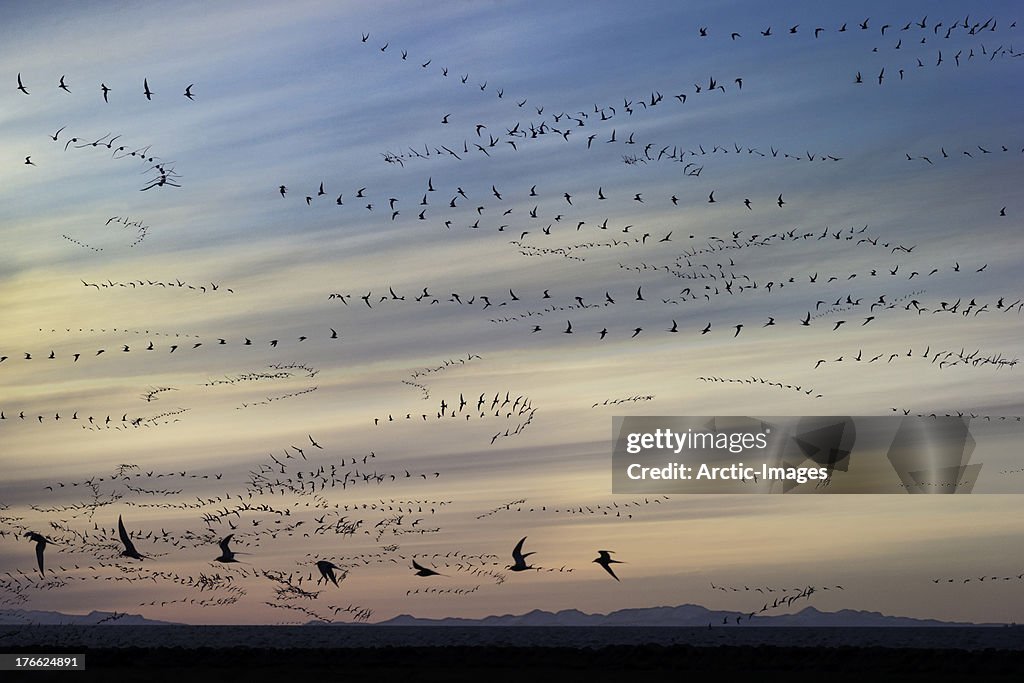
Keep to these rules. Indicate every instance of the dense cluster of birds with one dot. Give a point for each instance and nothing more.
(108, 549)
(942, 359)
(968, 26)
(561, 124)
(162, 173)
(252, 519)
(674, 286)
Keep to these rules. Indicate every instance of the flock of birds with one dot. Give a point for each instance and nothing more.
(105, 91)
(171, 348)
(563, 124)
(225, 589)
(677, 279)
(326, 568)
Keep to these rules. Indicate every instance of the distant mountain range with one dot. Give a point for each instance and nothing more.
(38, 617)
(679, 616)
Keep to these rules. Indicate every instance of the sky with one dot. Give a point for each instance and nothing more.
(401, 133)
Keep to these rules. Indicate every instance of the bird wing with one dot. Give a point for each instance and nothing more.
(224, 544)
(40, 547)
(608, 568)
(517, 552)
(327, 569)
(416, 565)
(128, 545)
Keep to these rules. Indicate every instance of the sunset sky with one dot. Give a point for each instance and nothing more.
(926, 165)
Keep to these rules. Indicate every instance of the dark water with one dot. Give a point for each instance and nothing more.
(252, 654)
(360, 637)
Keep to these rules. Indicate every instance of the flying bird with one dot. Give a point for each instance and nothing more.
(605, 560)
(424, 571)
(519, 558)
(327, 571)
(129, 547)
(40, 542)
(146, 91)
(226, 555)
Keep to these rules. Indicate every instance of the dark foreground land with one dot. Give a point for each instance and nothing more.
(522, 654)
(522, 664)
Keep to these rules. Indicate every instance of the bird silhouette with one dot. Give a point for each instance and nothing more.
(605, 560)
(327, 571)
(226, 555)
(519, 558)
(424, 571)
(129, 547)
(40, 542)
